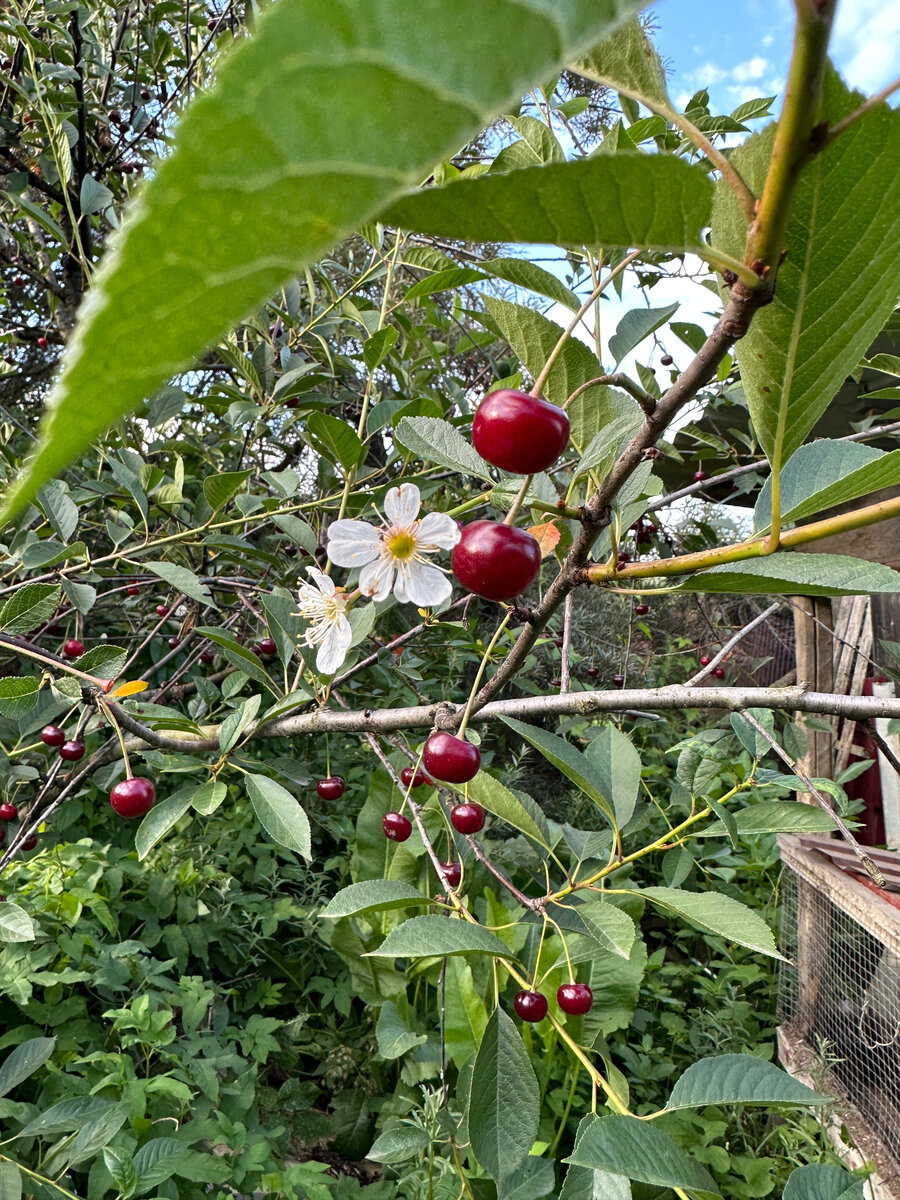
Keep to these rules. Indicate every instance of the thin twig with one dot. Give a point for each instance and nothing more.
(729, 645)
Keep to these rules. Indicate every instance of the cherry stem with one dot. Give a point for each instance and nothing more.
(480, 673)
(517, 503)
(115, 724)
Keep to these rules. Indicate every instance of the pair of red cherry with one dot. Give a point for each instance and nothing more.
(131, 797)
(70, 750)
(521, 434)
(573, 998)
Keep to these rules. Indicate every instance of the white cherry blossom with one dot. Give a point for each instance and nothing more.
(394, 556)
(329, 629)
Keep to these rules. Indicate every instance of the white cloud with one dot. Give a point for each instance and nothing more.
(753, 68)
(864, 42)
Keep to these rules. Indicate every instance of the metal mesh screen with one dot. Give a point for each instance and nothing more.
(842, 985)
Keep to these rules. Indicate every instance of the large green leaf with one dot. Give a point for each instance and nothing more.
(182, 580)
(504, 1108)
(18, 695)
(10, 1181)
(822, 1181)
(626, 1146)
(372, 895)
(433, 936)
(15, 923)
(636, 325)
(437, 441)
(618, 768)
(297, 144)
(626, 199)
(568, 759)
(610, 927)
(826, 473)
(838, 284)
(776, 816)
(738, 1079)
(587, 1183)
(29, 607)
(718, 914)
(24, 1061)
(788, 574)
(492, 795)
(161, 818)
(279, 814)
(525, 274)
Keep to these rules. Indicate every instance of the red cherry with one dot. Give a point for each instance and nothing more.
(530, 1006)
(52, 735)
(618, 680)
(73, 648)
(641, 610)
(290, 550)
(43, 343)
(719, 672)
(705, 660)
(207, 656)
(453, 872)
(396, 826)
(132, 590)
(8, 812)
(30, 842)
(466, 818)
(174, 642)
(71, 751)
(162, 610)
(331, 788)
(133, 797)
(667, 360)
(575, 998)
(292, 403)
(624, 556)
(495, 561)
(699, 476)
(519, 433)
(410, 779)
(450, 758)
(593, 672)
(267, 647)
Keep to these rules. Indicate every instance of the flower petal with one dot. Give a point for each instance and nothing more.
(423, 585)
(402, 504)
(353, 543)
(322, 581)
(334, 647)
(437, 530)
(375, 578)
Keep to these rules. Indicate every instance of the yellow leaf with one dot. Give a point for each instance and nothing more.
(130, 689)
(547, 536)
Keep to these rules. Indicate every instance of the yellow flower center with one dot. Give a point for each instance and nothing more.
(402, 545)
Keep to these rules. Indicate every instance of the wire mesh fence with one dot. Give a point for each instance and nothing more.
(839, 991)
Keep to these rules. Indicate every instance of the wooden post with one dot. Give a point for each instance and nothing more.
(815, 667)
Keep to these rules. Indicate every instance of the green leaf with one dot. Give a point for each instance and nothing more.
(18, 696)
(625, 199)
(160, 819)
(627, 62)
(372, 895)
(294, 147)
(749, 738)
(219, 489)
(10, 1181)
(335, 439)
(781, 816)
(433, 937)
(792, 574)
(399, 1145)
(28, 607)
(207, 798)
(626, 1146)
(606, 445)
(183, 581)
(718, 914)
(635, 326)
(237, 722)
(59, 509)
(15, 923)
(610, 927)
(90, 1138)
(525, 274)
(738, 1079)
(504, 1106)
(824, 474)
(106, 660)
(158, 1160)
(454, 277)
(566, 758)
(239, 656)
(838, 284)
(393, 1035)
(439, 442)
(65, 1116)
(618, 769)
(95, 196)
(378, 346)
(24, 1061)
(822, 1181)
(279, 814)
(465, 1018)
